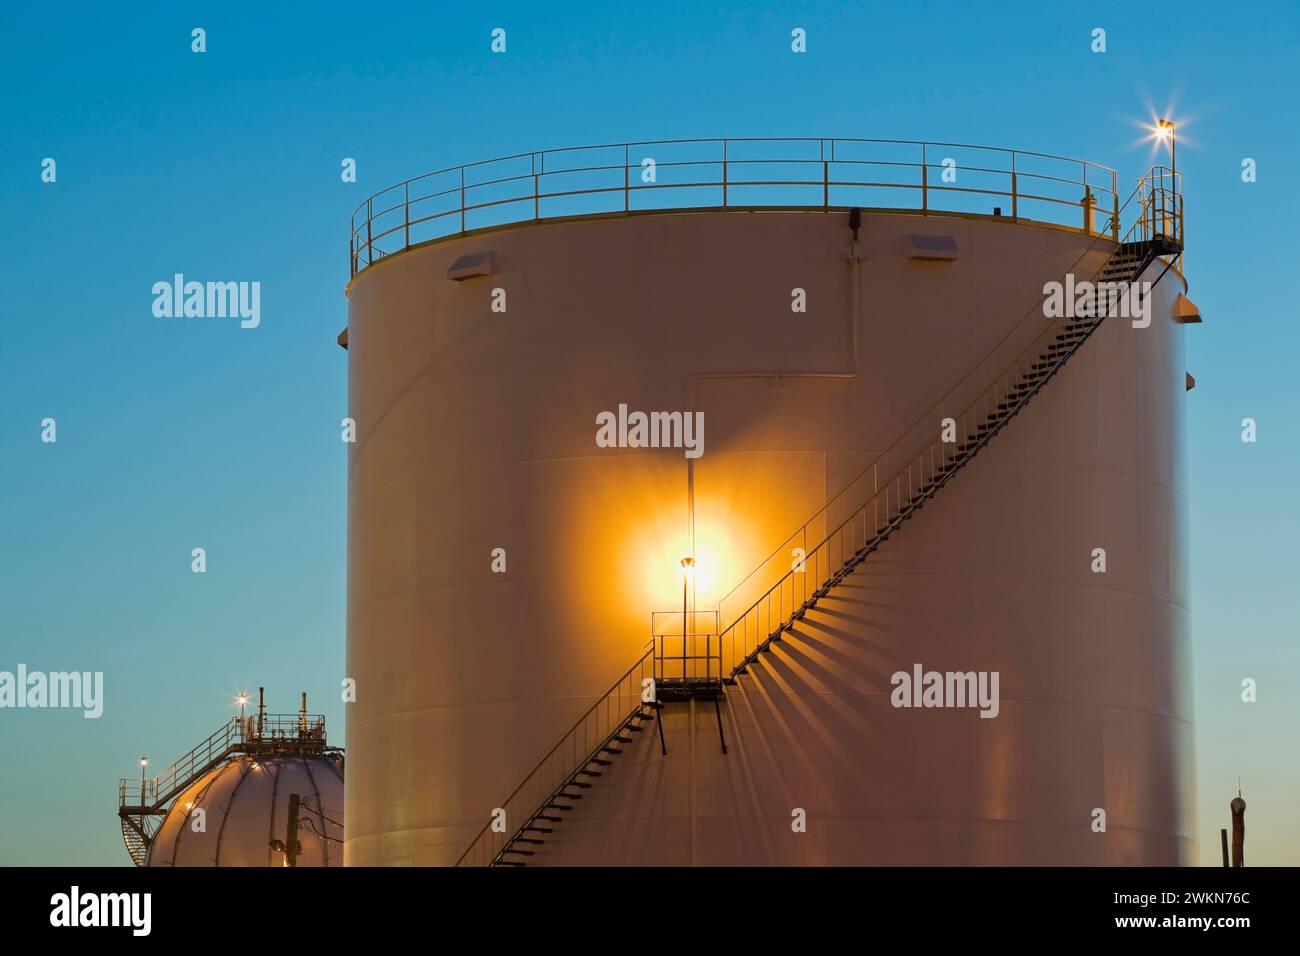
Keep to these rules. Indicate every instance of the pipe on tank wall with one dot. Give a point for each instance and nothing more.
(854, 260)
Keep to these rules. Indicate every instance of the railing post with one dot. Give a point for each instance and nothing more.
(462, 199)
(627, 165)
(370, 216)
(925, 183)
(1114, 192)
(826, 175)
(875, 499)
(406, 207)
(724, 174)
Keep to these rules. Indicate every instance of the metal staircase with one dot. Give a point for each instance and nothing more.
(925, 457)
(580, 758)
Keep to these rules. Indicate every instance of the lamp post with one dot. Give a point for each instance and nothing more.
(241, 700)
(1165, 129)
(688, 568)
(1170, 132)
(144, 762)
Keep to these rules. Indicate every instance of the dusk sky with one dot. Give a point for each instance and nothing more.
(175, 434)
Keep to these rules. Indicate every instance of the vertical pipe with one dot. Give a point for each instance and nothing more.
(1015, 189)
(1173, 155)
(291, 832)
(1238, 808)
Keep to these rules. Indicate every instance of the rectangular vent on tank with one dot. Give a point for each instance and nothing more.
(466, 267)
(932, 247)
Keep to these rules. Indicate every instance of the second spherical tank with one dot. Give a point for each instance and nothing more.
(231, 815)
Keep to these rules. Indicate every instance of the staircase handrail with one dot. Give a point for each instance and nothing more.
(483, 837)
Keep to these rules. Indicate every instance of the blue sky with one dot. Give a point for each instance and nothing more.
(175, 435)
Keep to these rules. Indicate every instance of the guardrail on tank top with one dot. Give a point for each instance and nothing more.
(782, 173)
(867, 505)
(238, 733)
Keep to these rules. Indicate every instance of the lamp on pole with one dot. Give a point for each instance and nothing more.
(144, 762)
(1166, 130)
(688, 568)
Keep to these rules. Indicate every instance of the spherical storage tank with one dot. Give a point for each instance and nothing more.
(246, 802)
(852, 347)
(262, 790)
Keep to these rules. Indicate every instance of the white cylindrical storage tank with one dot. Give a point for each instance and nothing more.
(503, 565)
